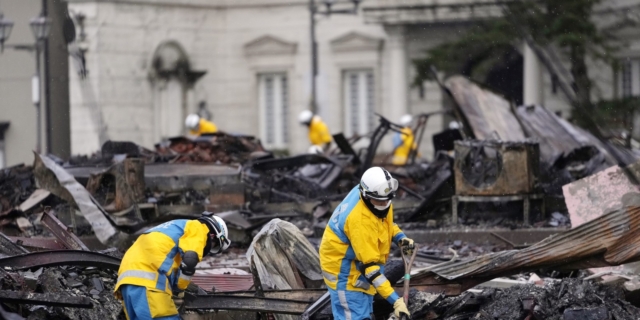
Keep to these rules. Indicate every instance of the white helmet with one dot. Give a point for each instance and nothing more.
(305, 117)
(454, 125)
(219, 234)
(315, 149)
(192, 121)
(377, 183)
(406, 120)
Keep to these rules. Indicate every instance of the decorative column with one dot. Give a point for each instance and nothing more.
(397, 80)
(533, 84)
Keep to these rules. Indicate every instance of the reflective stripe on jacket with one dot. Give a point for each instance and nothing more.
(355, 237)
(318, 132)
(153, 261)
(204, 126)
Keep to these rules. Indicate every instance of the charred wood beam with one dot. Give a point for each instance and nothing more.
(45, 299)
(244, 303)
(60, 231)
(9, 247)
(61, 258)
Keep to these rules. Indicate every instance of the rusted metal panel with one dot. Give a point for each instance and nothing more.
(223, 282)
(519, 237)
(255, 304)
(60, 231)
(60, 258)
(41, 243)
(486, 112)
(45, 299)
(487, 168)
(606, 241)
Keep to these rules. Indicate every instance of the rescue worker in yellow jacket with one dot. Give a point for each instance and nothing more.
(403, 142)
(162, 261)
(356, 244)
(198, 126)
(319, 135)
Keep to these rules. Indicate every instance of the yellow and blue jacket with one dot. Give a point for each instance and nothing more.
(355, 246)
(404, 143)
(204, 126)
(153, 261)
(319, 132)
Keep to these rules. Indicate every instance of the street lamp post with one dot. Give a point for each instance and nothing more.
(40, 26)
(313, 10)
(5, 30)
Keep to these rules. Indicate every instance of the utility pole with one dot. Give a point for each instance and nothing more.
(314, 56)
(313, 10)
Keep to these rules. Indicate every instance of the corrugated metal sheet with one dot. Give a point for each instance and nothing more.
(485, 111)
(223, 282)
(607, 241)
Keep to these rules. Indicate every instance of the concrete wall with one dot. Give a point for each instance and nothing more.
(16, 70)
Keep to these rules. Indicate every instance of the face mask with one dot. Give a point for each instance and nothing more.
(383, 207)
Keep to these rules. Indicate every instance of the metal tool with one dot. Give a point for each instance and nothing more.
(408, 262)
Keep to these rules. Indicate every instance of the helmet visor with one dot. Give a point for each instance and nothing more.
(219, 242)
(384, 191)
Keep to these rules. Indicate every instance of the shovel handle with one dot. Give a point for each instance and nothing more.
(408, 263)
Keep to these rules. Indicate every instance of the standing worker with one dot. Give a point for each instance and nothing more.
(162, 261)
(356, 244)
(403, 142)
(198, 126)
(318, 132)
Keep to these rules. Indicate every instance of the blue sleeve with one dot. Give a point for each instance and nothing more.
(397, 140)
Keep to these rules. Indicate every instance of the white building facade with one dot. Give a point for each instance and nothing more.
(152, 62)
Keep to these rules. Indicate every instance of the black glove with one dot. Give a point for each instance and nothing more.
(407, 246)
(189, 262)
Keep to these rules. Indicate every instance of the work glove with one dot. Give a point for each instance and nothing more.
(399, 307)
(407, 246)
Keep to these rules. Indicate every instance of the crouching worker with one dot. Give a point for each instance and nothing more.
(161, 263)
(356, 244)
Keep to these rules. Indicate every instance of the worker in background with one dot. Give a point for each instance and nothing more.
(161, 263)
(318, 132)
(356, 244)
(198, 126)
(403, 142)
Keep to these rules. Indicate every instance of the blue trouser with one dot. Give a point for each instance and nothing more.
(351, 305)
(136, 304)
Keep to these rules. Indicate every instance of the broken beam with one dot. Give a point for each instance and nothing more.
(61, 231)
(243, 303)
(61, 258)
(45, 299)
(9, 247)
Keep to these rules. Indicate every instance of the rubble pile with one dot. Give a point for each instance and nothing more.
(216, 148)
(568, 299)
(16, 185)
(90, 283)
(445, 251)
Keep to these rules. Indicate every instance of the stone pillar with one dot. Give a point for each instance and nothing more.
(397, 81)
(533, 84)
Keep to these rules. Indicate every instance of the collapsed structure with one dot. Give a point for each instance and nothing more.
(520, 155)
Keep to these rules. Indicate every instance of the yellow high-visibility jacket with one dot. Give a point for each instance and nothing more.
(204, 126)
(404, 142)
(153, 261)
(355, 237)
(318, 132)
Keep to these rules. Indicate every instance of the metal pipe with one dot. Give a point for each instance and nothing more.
(36, 98)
